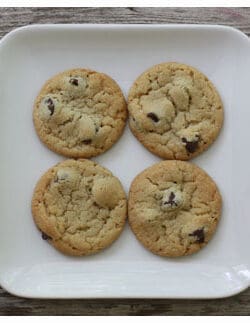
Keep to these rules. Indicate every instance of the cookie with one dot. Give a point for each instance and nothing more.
(80, 113)
(174, 208)
(79, 206)
(175, 111)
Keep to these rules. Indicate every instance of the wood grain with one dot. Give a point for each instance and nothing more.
(11, 18)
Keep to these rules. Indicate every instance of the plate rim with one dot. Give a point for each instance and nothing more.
(76, 26)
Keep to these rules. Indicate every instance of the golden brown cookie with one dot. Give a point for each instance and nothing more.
(79, 206)
(174, 208)
(175, 111)
(80, 113)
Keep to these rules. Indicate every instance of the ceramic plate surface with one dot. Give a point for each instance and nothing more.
(29, 266)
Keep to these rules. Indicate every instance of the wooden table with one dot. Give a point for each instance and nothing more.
(11, 18)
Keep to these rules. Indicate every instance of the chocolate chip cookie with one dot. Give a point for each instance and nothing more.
(80, 113)
(79, 206)
(175, 111)
(174, 208)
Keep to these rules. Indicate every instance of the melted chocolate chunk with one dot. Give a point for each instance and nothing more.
(199, 234)
(171, 200)
(50, 105)
(45, 236)
(191, 146)
(73, 81)
(87, 141)
(153, 116)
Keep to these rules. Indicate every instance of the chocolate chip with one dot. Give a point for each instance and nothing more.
(45, 236)
(73, 81)
(199, 234)
(60, 178)
(153, 116)
(171, 197)
(89, 189)
(171, 200)
(87, 141)
(50, 105)
(191, 146)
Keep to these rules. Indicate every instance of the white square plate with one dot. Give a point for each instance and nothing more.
(29, 266)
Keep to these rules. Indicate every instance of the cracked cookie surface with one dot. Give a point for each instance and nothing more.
(80, 113)
(175, 111)
(79, 206)
(174, 208)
